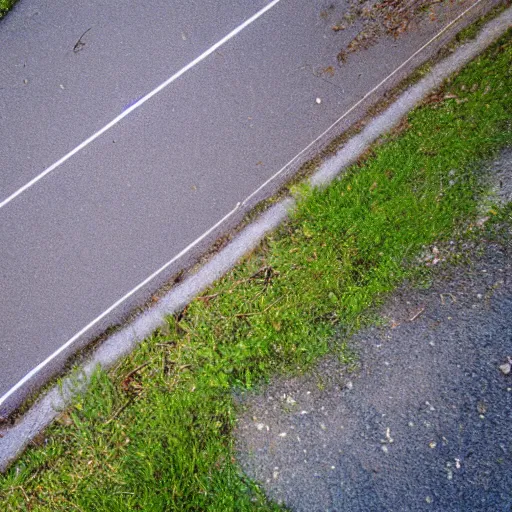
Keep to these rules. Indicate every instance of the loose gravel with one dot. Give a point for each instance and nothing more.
(424, 422)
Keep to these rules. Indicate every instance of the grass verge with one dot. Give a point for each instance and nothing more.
(154, 433)
(6, 6)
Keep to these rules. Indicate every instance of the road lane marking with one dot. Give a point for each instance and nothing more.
(139, 103)
(100, 317)
(220, 222)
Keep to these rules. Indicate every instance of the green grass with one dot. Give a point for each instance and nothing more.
(6, 6)
(155, 432)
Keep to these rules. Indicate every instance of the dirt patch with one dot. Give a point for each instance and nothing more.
(384, 18)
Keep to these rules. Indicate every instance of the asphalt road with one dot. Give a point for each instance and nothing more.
(423, 425)
(88, 230)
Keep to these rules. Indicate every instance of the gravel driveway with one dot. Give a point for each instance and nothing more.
(424, 423)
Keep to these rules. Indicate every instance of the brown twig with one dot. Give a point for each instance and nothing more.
(449, 295)
(80, 44)
(133, 372)
(416, 315)
(123, 407)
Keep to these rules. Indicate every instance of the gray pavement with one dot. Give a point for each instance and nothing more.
(90, 232)
(423, 425)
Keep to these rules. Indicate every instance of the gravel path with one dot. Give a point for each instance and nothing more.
(423, 424)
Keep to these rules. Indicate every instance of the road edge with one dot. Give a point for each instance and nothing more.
(16, 437)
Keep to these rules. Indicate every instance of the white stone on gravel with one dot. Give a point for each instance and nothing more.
(505, 368)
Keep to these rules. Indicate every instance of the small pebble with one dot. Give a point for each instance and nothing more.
(318, 101)
(505, 368)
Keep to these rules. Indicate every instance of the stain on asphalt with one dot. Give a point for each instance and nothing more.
(424, 423)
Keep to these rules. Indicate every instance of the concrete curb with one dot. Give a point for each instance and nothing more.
(43, 412)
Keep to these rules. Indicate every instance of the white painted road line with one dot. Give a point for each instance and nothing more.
(124, 341)
(100, 317)
(94, 322)
(139, 103)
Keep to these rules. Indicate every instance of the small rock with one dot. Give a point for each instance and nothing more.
(318, 101)
(432, 444)
(384, 448)
(260, 426)
(428, 499)
(505, 368)
(349, 385)
(282, 434)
